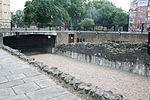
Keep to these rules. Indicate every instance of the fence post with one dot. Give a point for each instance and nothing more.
(11, 26)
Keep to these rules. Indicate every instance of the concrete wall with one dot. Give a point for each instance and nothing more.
(31, 43)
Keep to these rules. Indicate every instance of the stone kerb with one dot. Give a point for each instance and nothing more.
(90, 91)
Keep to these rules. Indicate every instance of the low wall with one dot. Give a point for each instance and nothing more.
(1, 40)
(128, 57)
(111, 36)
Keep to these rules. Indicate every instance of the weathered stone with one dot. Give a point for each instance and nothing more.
(75, 83)
(45, 83)
(98, 94)
(81, 87)
(67, 96)
(46, 68)
(56, 73)
(68, 78)
(11, 84)
(25, 88)
(63, 75)
(46, 93)
(5, 93)
(92, 91)
(18, 97)
(16, 77)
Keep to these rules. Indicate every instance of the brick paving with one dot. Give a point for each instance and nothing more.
(19, 81)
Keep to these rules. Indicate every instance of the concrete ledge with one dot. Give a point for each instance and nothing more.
(92, 92)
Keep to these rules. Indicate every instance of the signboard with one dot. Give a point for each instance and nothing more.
(142, 3)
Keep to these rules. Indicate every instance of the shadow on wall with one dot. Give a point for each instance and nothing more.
(31, 44)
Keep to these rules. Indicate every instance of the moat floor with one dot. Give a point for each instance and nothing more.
(131, 86)
(20, 81)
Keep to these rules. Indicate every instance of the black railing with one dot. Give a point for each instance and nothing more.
(62, 27)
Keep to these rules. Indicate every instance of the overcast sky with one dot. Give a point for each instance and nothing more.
(19, 4)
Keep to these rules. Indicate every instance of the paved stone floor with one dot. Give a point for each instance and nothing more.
(19, 81)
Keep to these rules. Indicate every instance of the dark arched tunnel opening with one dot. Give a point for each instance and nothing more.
(31, 44)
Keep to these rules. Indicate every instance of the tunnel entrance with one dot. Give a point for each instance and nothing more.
(31, 44)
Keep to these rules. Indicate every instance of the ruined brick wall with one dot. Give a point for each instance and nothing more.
(131, 57)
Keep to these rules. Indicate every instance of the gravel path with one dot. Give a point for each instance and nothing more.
(131, 86)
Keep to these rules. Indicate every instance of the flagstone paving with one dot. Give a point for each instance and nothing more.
(19, 81)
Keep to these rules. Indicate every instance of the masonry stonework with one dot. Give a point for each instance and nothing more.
(1, 40)
(5, 14)
(130, 57)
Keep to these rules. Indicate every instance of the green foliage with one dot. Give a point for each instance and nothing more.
(73, 12)
(148, 29)
(17, 18)
(87, 22)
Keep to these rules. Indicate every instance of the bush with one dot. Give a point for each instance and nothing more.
(148, 29)
(87, 24)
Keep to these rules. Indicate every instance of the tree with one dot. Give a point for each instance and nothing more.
(29, 13)
(87, 23)
(76, 11)
(73, 12)
(18, 18)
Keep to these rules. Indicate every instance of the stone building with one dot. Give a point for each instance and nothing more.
(5, 14)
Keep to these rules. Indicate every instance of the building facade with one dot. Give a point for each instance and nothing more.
(5, 14)
(138, 15)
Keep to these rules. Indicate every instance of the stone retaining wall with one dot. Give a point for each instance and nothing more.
(131, 57)
(92, 92)
(1, 40)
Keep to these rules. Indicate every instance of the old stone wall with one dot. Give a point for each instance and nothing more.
(1, 40)
(95, 37)
(131, 57)
(110, 36)
(62, 38)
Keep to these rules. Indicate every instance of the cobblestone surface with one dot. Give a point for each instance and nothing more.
(131, 86)
(19, 81)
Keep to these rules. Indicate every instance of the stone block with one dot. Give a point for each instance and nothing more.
(26, 88)
(18, 97)
(15, 77)
(45, 83)
(26, 71)
(5, 93)
(3, 79)
(35, 78)
(11, 84)
(46, 93)
(67, 96)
